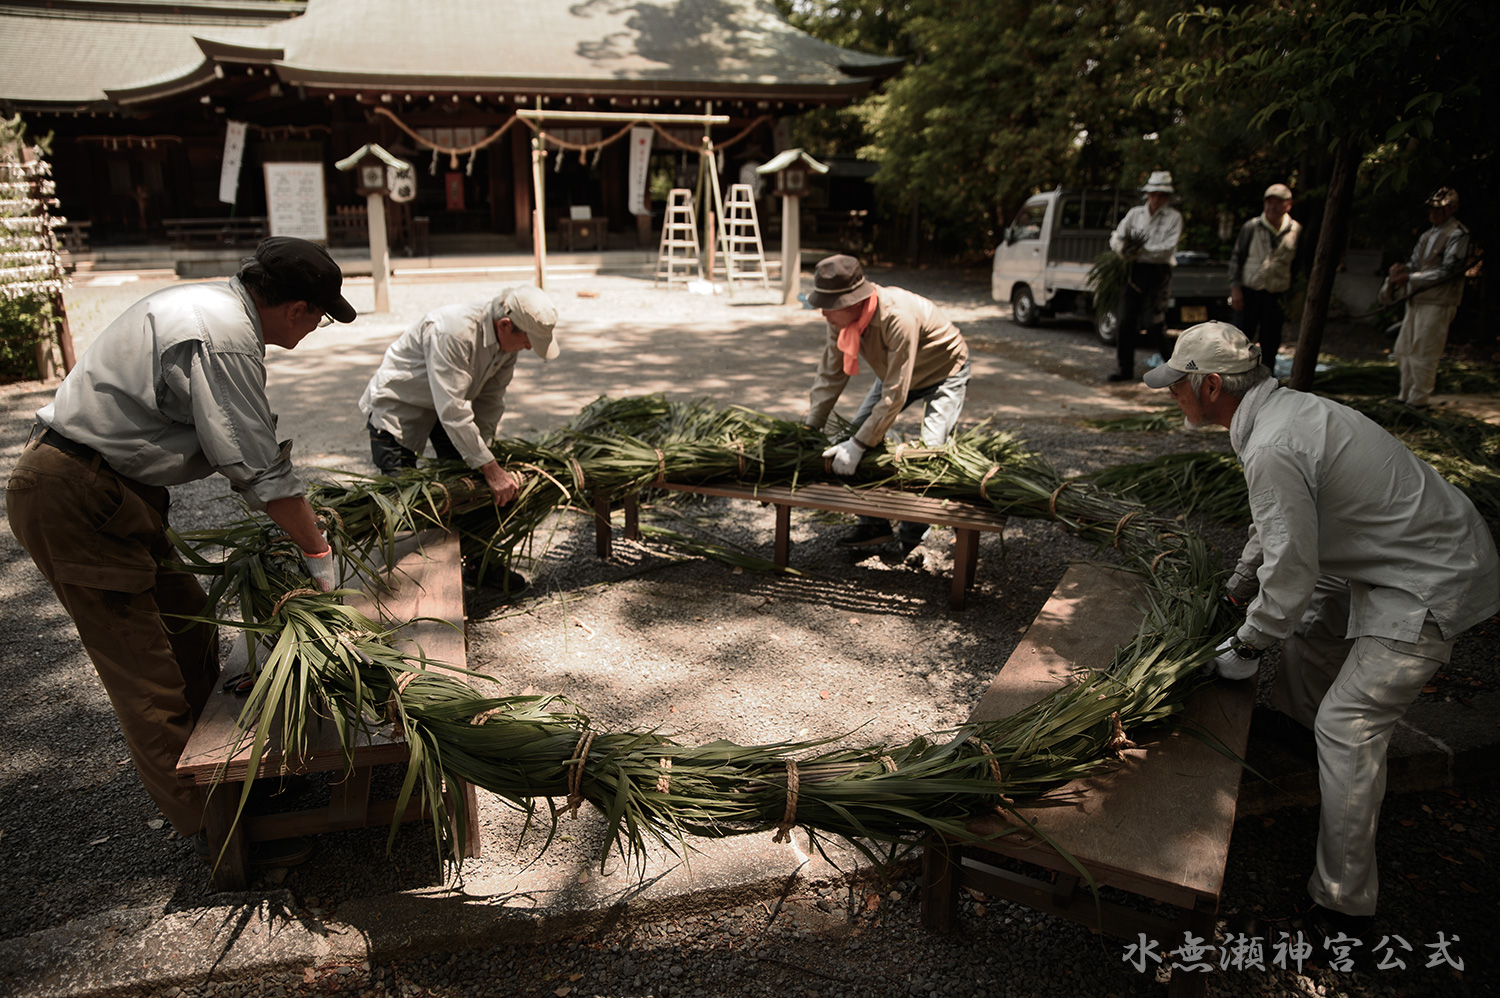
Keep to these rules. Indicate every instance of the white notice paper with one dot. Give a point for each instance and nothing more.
(640, 163)
(294, 201)
(234, 153)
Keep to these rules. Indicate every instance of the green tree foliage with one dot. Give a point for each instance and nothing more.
(1001, 98)
(1375, 86)
(31, 275)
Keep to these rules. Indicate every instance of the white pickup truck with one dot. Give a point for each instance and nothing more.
(1042, 265)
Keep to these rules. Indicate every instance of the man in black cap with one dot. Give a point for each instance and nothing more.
(171, 392)
(916, 354)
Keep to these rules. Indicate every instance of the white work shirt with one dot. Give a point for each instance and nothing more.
(1161, 233)
(1331, 493)
(448, 366)
(175, 389)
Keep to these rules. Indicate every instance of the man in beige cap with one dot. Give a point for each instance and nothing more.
(1362, 560)
(916, 354)
(445, 379)
(1431, 285)
(1147, 238)
(1260, 271)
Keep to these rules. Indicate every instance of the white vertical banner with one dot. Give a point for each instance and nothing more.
(640, 163)
(234, 152)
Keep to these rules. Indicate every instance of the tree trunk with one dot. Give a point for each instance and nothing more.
(1332, 235)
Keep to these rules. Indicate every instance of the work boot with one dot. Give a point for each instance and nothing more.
(866, 535)
(1122, 376)
(903, 552)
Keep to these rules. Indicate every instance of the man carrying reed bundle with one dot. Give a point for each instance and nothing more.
(1431, 285)
(917, 355)
(444, 380)
(171, 392)
(1363, 560)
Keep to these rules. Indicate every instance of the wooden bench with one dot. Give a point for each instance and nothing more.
(188, 232)
(966, 519)
(425, 582)
(1157, 825)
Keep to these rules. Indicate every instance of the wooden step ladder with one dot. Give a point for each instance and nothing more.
(678, 258)
(743, 257)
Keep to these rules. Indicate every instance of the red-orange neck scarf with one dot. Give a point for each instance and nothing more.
(849, 336)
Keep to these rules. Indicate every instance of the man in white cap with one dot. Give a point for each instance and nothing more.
(916, 354)
(445, 379)
(173, 391)
(1147, 238)
(1432, 286)
(1362, 559)
(1260, 271)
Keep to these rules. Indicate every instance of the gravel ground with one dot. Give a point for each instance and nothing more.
(701, 652)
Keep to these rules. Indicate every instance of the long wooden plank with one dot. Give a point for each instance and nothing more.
(424, 583)
(889, 503)
(1159, 822)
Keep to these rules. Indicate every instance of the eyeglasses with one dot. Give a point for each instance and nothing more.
(326, 320)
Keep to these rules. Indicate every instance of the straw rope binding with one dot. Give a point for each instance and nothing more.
(575, 773)
(789, 818)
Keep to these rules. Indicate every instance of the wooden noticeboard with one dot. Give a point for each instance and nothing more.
(295, 204)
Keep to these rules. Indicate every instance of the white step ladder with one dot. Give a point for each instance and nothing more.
(678, 258)
(743, 258)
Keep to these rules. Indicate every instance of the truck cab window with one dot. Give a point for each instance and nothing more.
(1071, 215)
(1028, 223)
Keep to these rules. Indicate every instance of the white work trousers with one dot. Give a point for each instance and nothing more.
(1419, 347)
(1350, 692)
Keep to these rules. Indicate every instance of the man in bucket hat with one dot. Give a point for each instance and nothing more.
(1147, 238)
(1432, 285)
(1362, 560)
(916, 355)
(445, 380)
(172, 391)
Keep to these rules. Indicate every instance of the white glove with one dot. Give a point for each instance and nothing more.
(1242, 588)
(321, 568)
(1230, 663)
(845, 456)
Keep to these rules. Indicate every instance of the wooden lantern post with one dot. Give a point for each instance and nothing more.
(370, 179)
(791, 169)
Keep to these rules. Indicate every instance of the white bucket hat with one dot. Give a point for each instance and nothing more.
(1160, 182)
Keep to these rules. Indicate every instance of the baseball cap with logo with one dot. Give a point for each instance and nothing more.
(1207, 348)
(305, 272)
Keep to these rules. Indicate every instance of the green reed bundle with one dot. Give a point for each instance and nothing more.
(1207, 483)
(325, 662)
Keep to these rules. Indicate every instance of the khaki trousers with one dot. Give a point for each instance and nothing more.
(1350, 692)
(1419, 347)
(99, 539)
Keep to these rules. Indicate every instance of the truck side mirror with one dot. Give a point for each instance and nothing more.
(1010, 235)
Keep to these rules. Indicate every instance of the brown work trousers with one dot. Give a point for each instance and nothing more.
(99, 538)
